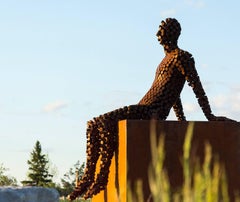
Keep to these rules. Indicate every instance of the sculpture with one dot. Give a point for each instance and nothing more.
(102, 132)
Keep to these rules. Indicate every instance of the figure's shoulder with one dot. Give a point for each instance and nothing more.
(184, 54)
(185, 61)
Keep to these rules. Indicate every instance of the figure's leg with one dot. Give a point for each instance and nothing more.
(93, 150)
(108, 144)
(109, 141)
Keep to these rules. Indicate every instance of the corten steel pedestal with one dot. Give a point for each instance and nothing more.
(134, 156)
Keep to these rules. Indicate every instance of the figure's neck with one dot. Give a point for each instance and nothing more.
(170, 48)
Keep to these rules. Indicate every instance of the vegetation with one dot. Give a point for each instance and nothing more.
(69, 179)
(38, 168)
(6, 180)
(202, 183)
(39, 174)
(77, 200)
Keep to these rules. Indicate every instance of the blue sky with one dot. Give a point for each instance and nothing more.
(63, 62)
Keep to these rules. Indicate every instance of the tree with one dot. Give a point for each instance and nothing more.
(6, 180)
(69, 179)
(38, 168)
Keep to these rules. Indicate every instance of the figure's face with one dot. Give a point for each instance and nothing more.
(161, 34)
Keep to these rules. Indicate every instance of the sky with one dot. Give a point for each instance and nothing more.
(63, 62)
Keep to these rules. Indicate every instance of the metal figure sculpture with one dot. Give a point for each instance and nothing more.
(102, 132)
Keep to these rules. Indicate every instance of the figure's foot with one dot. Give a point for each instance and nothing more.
(93, 190)
(72, 196)
(79, 190)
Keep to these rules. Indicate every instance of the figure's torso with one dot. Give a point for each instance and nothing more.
(168, 83)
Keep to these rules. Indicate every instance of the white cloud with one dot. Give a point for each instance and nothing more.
(227, 105)
(168, 13)
(234, 103)
(195, 3)
(189, 107)
(220, 101)
(55, 106)
(225, 102)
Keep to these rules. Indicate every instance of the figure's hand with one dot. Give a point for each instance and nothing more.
(221, 118)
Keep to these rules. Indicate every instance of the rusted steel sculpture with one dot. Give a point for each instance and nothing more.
(102, 132)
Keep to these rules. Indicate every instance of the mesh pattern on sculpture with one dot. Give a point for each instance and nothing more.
(164, 94)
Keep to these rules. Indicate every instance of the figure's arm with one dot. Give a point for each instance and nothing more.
(178, 109)
(187, 67)
(194, 81)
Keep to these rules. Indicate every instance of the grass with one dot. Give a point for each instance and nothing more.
(78, 200)
(202, 183)
(205, 182)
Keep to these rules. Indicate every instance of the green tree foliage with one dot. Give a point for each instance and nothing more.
(69, 179)
(38, 174)
(6, 180)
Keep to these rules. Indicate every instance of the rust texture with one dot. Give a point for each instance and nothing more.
(102, 132)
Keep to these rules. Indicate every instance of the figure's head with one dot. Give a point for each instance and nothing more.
(168, 32)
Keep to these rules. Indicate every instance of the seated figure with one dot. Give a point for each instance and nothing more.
(102, 132)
